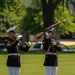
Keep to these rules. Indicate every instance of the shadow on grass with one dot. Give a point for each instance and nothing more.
(43, 52)
(3, 52)
(37, 52)
(29, 52)
(34, 52)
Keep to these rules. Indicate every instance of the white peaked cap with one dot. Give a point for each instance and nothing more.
(11, 29)
(51, 30)
(20, 36)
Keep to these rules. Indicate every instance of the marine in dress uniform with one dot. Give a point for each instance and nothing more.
(51, 47)
(13, 46)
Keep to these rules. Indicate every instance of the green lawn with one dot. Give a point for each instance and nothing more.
(72, 46)
(32, 64)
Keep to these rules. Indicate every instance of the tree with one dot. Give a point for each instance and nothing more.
(32, 22)
(68, 26)
(11, 13)
(56, 10)
(41, 14)
(49, 7)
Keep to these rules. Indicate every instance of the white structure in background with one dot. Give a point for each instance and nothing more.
(32, 38)
(73, 13)
(27, 2)
(72, 8)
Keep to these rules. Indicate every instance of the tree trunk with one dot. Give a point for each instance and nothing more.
(48, 12)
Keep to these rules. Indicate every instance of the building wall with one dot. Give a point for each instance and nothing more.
(27, 2)
(72, 8)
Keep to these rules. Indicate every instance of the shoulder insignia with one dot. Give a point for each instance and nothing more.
(8, 44)
(43, 42)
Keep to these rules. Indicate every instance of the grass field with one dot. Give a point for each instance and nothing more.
(32, 64)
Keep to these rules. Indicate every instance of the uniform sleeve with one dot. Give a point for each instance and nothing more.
(59, 49)
(45, 44)
(10, 45)
(24, 48)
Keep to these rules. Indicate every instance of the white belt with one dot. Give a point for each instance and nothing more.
(51, 53)
(13, 54)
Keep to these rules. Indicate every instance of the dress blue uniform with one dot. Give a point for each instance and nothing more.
(13, 46)
(51, 57)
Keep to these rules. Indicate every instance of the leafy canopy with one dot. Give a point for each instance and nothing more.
(33, 21)
(11, 13)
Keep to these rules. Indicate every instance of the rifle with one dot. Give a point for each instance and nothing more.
(38, 36)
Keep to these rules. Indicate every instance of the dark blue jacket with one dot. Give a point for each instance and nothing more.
(14, 46)
(51, 59)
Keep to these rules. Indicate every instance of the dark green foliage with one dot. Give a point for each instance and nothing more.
(43, 13)
(32, 22)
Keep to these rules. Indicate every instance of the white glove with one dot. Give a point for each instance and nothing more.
(46, 35)
(19, 37)
(28, 43)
